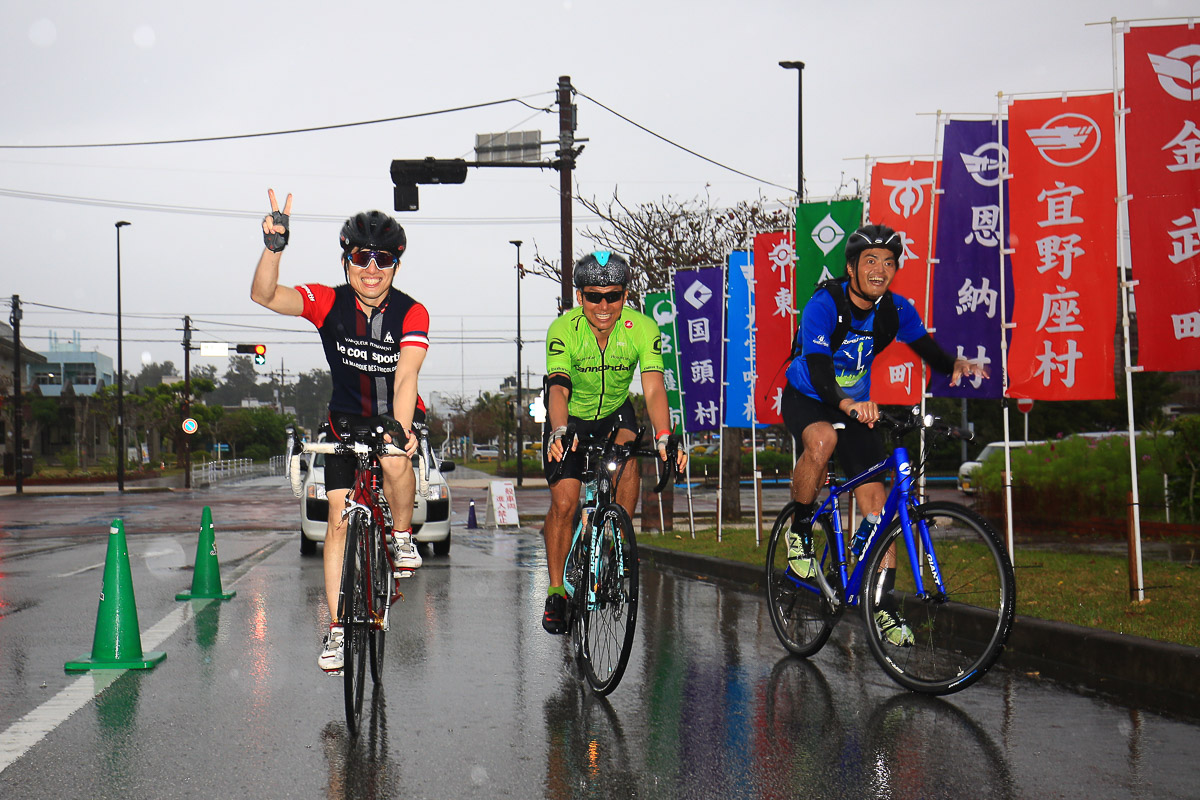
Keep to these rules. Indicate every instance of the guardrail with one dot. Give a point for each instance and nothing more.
(213, 471)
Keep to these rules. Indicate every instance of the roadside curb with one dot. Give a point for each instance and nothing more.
(1160, 676)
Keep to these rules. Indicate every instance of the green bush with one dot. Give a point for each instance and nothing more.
(1075, 477)
(69, 459)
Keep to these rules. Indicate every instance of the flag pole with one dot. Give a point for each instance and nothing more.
(1004, 327)
(722, 376)
(1137, 592)
(683, 427)
(934, 193)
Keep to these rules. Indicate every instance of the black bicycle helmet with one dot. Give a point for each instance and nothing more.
(601, 268)
(373, 230)
(871, 236)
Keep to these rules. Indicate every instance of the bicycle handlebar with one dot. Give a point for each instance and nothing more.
(296, 447)
(902, 427)
(610, 442)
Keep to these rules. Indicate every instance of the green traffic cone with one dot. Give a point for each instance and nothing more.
(118, 640)
(206, 577)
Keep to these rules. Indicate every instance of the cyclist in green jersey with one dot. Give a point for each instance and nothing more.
(591, 354)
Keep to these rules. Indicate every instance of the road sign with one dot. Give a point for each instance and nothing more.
(214, 348)
(1025, 405)
(190, 426)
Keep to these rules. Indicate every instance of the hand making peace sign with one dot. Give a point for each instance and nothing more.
(275, 224)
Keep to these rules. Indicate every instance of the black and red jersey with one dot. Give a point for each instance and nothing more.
(362, 344)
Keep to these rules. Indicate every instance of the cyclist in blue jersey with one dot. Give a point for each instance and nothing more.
(845, 325)
(375, 339)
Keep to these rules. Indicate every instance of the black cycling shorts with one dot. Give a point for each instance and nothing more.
(858, 447)
(340, 470)
(624, 417)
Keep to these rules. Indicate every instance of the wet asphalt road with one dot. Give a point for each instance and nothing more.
(477, 701)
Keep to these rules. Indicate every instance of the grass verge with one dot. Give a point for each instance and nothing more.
(1085, 589)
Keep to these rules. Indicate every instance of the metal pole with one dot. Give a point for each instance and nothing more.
(520, 414)
(187, 400)
(566, 157)
(18, 421)
(120, 374)
(799, 67)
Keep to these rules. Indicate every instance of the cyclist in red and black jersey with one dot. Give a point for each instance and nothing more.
(375, 338)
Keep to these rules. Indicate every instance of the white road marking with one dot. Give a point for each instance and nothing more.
(82, 570)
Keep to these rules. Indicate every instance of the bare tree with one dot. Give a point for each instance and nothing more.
(669, 233)
(673, 233)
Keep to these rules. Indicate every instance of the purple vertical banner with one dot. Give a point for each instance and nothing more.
(966, 280)
(739, 357)
(699, 325)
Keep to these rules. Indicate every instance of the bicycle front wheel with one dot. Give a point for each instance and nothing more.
(608, 604)
(945, 640)
(381, 588)
(352, 611)
(800, 614)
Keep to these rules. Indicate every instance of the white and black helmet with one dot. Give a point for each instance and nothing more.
(601, 268)
(871, 236)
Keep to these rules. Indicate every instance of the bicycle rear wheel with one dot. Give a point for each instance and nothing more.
(352, 611)
(956, 636)
(381, 588)
(609, 610)
(800, 614)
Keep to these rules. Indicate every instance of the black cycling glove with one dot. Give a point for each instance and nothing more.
(275, 242)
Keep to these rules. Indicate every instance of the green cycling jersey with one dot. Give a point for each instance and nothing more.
(600, 378)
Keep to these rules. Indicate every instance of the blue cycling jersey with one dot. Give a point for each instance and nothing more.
(853, 357)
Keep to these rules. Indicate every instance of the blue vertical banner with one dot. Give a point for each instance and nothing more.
(966, 281)
(739, 357)
(700, 323)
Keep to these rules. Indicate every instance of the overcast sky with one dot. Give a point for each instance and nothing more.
(704, 74)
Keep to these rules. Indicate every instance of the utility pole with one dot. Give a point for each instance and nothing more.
(187, 400)
(18, 422)
(566, 157)
(520, 416)
(120, 374)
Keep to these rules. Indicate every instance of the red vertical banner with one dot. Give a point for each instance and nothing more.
(902, 197)
(1162, 156)
(1062, 226)
(774, 320)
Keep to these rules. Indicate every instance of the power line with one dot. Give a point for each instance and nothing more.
(681, 147)
(313, 129)
(200, 211)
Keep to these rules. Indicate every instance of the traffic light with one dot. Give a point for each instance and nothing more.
(407, 173)
(259, 351)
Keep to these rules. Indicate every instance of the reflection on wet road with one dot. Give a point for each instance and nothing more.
(477, 701)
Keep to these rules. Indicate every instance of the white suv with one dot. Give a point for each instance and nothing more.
(431, 515)
(967, 470)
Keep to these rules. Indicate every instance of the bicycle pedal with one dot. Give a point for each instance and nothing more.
(405, 573)
(334, 673)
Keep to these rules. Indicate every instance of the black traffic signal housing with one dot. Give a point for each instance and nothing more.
(407, 173)
(259, 351)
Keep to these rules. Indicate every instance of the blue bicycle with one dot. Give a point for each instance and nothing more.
(954, 585)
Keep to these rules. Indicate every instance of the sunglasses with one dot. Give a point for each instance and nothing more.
(597, 297)
(382, 259)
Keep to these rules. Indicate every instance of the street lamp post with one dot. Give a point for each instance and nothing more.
(799, 67)
(520, 414)
(120, 374)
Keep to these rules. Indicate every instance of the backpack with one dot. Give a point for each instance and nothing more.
(887, 319)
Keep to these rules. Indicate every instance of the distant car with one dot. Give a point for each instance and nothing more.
(486, 453)
(705, 450)
(967, 470)
(431, 516)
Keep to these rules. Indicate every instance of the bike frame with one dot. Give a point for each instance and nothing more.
(366, 496)
(595, 494)
(899, 500)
